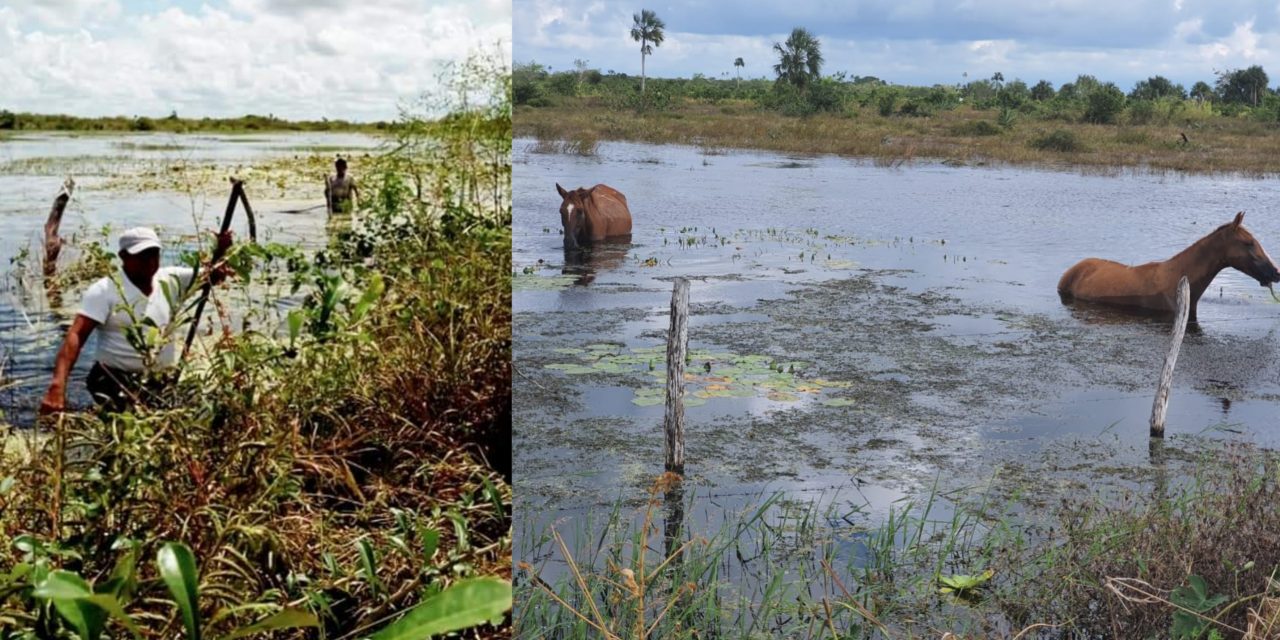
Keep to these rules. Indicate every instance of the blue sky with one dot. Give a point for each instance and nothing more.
(292, 58)
(917, 41)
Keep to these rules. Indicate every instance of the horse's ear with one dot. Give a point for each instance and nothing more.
(1238, 220)
(561, 191)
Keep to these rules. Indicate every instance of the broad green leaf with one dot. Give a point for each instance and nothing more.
(430, 540)
(295, 324)
(369, 563)
(82, 609)
(466, 604)
(285, 619)
(178, 570)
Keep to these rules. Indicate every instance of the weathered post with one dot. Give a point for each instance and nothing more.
(52, 241)
(677, 344)
(1158, 410)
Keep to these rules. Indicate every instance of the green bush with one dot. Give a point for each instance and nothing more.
(1059, 140)
(1104, 104)
(886, 102)
(976, 128)
(1142, 111)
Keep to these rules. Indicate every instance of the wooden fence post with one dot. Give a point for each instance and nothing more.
(1158, 410)
(677, 344)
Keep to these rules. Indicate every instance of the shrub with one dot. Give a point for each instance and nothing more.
(887, 102)
(1059, 140)
(1142, 111)
(1105, 103)
(975, 128)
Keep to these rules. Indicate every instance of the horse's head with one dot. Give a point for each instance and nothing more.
(1245, 253)
(573, 214)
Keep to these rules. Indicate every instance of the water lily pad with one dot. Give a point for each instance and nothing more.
(840, 264)
(572, 369)
(838, 402)
(534, 282)
(832, 384)
(780, 396)
(648, 401)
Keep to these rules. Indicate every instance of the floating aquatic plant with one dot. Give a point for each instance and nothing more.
(709, 374)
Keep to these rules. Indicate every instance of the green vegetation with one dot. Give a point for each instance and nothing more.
(1227, 127)
(10, 121)
(342, 463)
(1191, 560)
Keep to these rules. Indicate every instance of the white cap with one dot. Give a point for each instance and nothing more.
(139, 239)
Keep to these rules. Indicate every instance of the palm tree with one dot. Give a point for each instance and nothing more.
(799, 58)
(646, 28)
(737, 62)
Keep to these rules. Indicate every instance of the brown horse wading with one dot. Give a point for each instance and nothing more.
(1154, 286)
(592, 215)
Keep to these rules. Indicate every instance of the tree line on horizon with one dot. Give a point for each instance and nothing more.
(19, 121)
(800, 88)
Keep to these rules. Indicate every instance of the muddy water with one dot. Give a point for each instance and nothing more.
(32, 167)
(926, 292)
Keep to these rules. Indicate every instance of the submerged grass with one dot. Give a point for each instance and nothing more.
(1192, 558)
(346, 462)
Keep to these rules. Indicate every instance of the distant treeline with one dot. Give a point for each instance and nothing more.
(10, 121)
(1235, 93)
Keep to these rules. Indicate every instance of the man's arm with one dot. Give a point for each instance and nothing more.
(55, 399)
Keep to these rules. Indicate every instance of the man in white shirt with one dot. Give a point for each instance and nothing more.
(340, 189)
(133, 311)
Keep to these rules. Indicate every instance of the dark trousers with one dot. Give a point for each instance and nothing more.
(115, 390)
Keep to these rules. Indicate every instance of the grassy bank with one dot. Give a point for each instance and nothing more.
(962, 135)
(1187, 557)
(342, 465)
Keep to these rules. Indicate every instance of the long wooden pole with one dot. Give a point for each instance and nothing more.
(677, 344)
(52, 241)
(237, 193)
(248, 214)
(1159, 409)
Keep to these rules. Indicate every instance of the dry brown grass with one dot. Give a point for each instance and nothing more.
(1216, 145)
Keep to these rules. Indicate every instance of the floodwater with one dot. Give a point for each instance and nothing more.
(913, 308)
(32, 168)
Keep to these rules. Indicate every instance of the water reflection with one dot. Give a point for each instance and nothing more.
(585, 263)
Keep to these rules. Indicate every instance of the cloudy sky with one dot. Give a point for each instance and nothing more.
(293, 58)
(917, 41)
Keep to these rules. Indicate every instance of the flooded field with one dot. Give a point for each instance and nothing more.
(861, 332)
(176, 183)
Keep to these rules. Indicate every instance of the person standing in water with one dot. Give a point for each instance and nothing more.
(132, 312)
(340, 189)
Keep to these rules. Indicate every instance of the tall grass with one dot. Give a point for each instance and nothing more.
(1179, 558)
(346, 462)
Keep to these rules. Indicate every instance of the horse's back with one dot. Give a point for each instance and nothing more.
(611, 207)
(1111, 282)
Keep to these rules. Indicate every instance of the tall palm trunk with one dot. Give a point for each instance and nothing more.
(642, 56)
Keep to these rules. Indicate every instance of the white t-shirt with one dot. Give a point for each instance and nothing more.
(104, 304)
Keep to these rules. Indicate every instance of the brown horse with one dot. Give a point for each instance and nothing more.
(591, 215)
(1154, 286)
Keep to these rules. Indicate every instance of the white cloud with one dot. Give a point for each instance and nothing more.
(291, 58)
